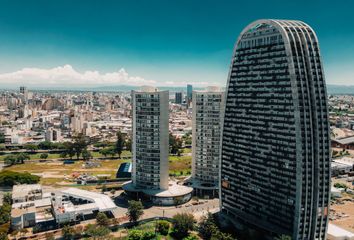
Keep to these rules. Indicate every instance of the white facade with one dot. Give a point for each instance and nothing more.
(207, 118)
(150, 138)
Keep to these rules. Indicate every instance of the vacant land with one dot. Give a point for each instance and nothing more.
(37, 156)
(180, 165)
(55, 173)
(346, 213)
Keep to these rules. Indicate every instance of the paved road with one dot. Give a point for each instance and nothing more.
(197, 210)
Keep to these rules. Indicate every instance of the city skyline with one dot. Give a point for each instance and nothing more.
(154, 43)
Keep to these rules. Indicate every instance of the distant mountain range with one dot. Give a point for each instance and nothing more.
(116, 88)
(331, 88)
(340, 89)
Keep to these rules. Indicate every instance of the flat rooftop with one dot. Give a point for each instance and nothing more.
(344, 160)
(345, 141)
(174, 190)
(339, 233)
(103, 202)
(23, 189)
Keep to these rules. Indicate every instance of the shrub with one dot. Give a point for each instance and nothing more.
(97, 232)
(340, 185)
(192, 237)
(182, 224)
(163, 227)
(68, 232)
(135, 234)
(44, 155)
(148, 236)
(102, 219)
(207, 227)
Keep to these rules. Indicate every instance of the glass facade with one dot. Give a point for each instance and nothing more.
(275, 169)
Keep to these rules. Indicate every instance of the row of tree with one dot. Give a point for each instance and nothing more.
(13, 159)
(5, 216)
(116, 149)
(10, 178)
(182, 224)
(100, 230)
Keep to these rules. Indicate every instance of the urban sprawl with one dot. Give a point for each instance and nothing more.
(269, 156)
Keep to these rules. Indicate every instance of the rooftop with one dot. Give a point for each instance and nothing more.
(174, 190)
(338, 232)
(103, 202)
(344, 141)
(24, 189)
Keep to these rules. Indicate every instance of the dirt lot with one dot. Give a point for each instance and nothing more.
(344, 214)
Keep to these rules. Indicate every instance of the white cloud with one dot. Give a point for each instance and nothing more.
(67, 76)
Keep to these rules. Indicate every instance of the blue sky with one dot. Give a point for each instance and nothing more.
(153, 41)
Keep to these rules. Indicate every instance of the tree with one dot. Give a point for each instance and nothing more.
(68, 151)
(102, 219)
(163, 227)
(128, 144)
(5, 211)
(45, 145)
(119, 144)
(207, 227)
(86, 155)
(9, 178)
(10, 159)
(108, 151)
(80, 144)
(44, 155)
(175, 144)
(7, 198)
(68, 232)
(135, 210)
(22, 157)
(2, 138)
(187, 138)
(31, 147)
(2, 147)
(182, 223)
(97, 232)
(63, 154)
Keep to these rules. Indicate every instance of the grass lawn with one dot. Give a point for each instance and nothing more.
(180, 165)
(187, 150)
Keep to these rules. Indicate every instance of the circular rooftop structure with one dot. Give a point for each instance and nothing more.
(174, 195)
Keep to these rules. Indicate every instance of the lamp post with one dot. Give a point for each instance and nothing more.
(156, 218)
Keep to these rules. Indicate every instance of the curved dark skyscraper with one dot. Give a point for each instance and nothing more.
(275, 170)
